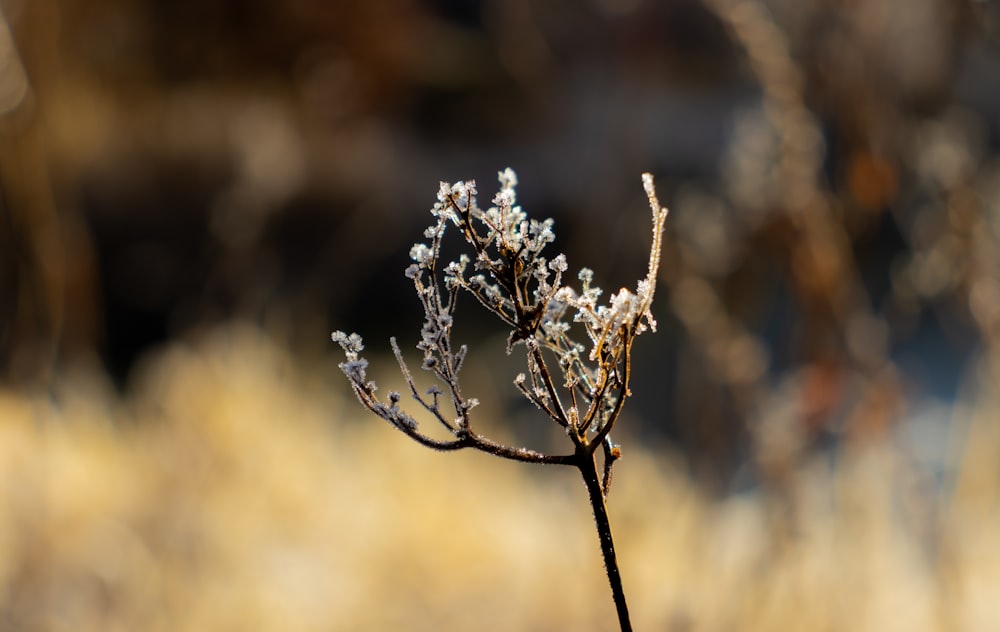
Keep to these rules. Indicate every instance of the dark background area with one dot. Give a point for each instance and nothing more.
(830, 266)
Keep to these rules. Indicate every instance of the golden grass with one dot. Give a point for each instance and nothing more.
(235, 490)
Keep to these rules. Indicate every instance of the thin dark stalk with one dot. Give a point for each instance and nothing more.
(587, 464)
(524, 455)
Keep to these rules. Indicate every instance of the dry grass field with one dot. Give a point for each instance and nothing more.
(234, 489)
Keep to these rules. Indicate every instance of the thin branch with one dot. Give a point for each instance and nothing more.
(485, 303)
(525, 455)
(611, 454)
(597, 400)
(543, 370)
(532, 396)
(623, 390)
(433, 409)
(441, 446)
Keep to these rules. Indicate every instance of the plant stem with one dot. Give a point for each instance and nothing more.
(588, 468)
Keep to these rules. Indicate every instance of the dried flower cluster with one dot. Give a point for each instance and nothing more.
(508, 274)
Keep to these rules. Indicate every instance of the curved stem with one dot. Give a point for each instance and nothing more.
(588, 468)
(525, 455)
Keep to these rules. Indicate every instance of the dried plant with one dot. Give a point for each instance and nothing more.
(511, 278)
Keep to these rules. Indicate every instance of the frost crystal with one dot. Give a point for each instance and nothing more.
(559, 263)
(352, 344)
(421, 254)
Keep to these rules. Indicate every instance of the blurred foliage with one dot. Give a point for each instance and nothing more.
(829, 325)
(233, 490)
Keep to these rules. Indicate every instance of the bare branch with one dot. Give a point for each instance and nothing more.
(434, 408)
(623, 390)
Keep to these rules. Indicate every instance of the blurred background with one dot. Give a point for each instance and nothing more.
(194, 194)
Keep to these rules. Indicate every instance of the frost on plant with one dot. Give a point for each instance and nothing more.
(577, 350)
(578, 382)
